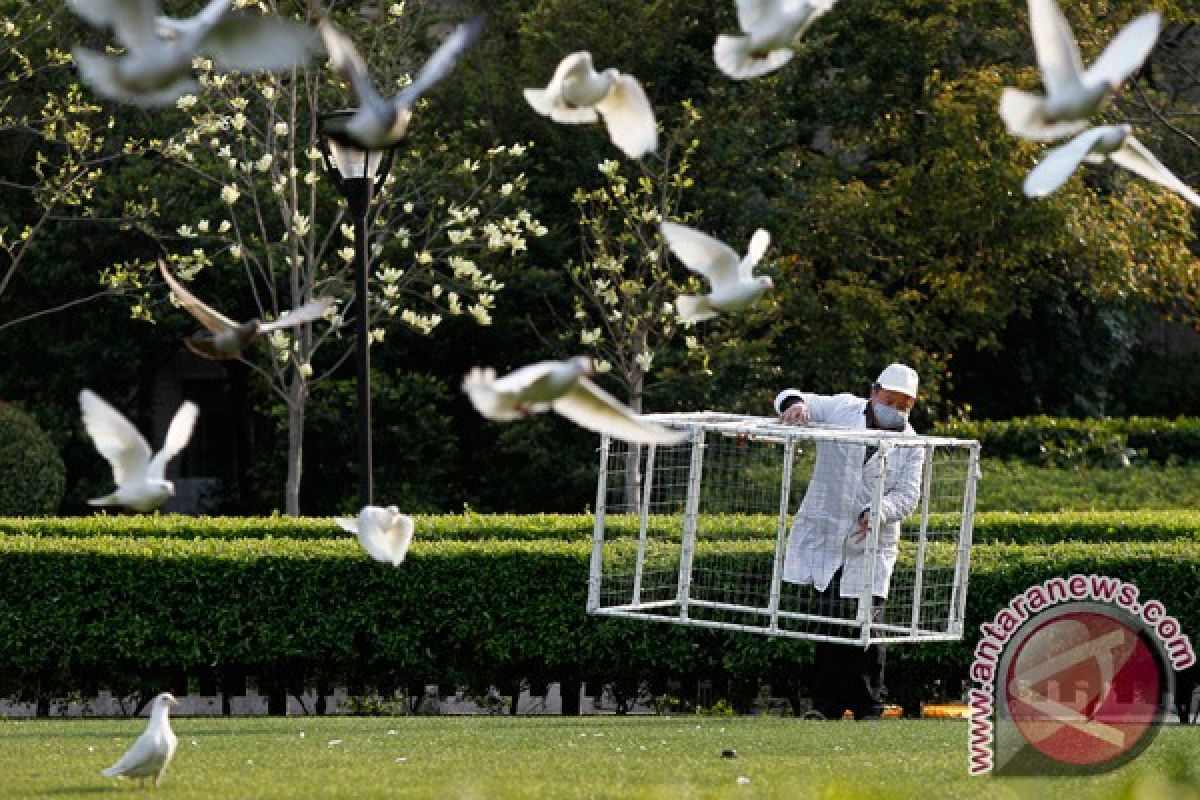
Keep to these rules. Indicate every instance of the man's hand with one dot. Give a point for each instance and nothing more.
(796, 414)
(861, 527)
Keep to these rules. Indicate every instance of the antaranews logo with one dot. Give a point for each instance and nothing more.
(1076, 673)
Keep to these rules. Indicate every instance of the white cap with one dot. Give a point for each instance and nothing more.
(899, 378)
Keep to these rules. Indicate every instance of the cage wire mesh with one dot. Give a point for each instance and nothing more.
(696, 533)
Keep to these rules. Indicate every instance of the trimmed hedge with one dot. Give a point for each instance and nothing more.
(1083, 526)
(1062, 442)
(123, 612)
(32, 475)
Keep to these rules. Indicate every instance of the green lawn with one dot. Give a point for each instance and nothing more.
(552, 757)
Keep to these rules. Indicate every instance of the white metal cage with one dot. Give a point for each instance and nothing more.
(696, 533)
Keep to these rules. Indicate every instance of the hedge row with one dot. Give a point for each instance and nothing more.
(126, 613)
(1061, 442)
(1016, 528)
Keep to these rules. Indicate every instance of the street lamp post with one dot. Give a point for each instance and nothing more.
(358, 174)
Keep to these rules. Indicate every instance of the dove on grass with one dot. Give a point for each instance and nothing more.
(225, 338)
(384, 533)
(734, 284)
(1073, 94)
(153, 750)
(1114, 142)
(138, 473)
(770, 30)
(564, 387)
(379, 123)
(156, 67)
(577, 92)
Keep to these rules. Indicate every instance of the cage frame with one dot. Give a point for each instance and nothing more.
(698, 424)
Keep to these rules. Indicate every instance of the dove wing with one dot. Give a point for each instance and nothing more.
(1127, 51)
(347, 524)
(1135, 157)
(1054, 44)
(209, 317)
(345, 58)
(309, 312)
(132, 21)
(589, 406)
(442, 61)
(115, 438)
(177, 438)
(702, 254)
(250, 42)
(205, 19)
(751, 12)
(629, 117)
(759, 243)
(138, 754)
(1058, 164)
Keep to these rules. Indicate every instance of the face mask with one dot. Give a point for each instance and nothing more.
(889, 418)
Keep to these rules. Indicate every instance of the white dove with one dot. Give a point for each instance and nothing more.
(771, 29)
(384, 533)
(379, 123)
(1073, 95)
(1114, 142)
(577, 92)
(156, 67)
(564, 387)
(138, 473)
(153, 750)
(224, 338)
(734, 284)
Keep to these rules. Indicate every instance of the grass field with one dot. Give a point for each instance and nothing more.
(551, 757)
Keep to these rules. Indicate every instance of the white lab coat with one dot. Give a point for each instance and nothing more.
(841, 487)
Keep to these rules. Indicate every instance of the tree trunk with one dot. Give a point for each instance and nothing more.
(633, 453)
(297, 397)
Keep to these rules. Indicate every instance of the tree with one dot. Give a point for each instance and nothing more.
(253, 141)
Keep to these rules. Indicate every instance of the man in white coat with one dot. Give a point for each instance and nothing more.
(826, 547)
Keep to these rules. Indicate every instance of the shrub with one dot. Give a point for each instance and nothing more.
(1062, 442)
(32, 476)
(112, 610)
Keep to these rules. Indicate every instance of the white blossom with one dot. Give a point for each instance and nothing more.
(346, 254)
(230, 194)
(644, 360)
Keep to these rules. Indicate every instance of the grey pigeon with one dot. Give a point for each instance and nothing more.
(563, 387)
(1114, 142)
(225, 338)
(1073, 94)
(379, 123)
(577, 93)
(734, 284)
(153, 750)
(139, 473)
(770, 29)
(156, 67)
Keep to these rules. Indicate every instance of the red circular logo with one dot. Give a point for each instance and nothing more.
(1084, 688)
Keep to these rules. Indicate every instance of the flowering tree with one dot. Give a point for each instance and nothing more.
(440, 217)
(58, 143)
(626, 286)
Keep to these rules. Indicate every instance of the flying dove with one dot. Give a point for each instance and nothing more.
(379, 123)
(563, 387)
(734, 284)
(577, 92)
(225, 338)
(1114, 142)
(770, 30)
(153, 750)
(138, 473)
(156, 67)
(1073, 95)
(384, 533)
